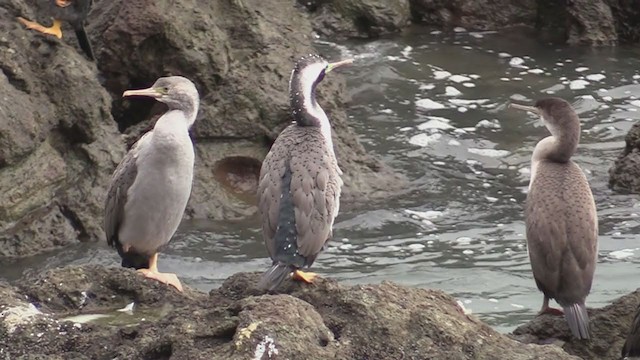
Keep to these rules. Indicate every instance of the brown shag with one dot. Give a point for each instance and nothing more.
(561, 218)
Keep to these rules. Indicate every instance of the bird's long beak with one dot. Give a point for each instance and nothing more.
(334, 65)
(150, 92)
(525, 108)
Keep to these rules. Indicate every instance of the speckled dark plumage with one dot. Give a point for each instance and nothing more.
(299, 186)
(561, 219)
(314, 192)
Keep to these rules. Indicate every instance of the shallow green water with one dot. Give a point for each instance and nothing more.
(433, 105)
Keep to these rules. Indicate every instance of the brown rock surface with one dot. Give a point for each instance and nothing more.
(323, 321)
(609, 328)
(58, 141)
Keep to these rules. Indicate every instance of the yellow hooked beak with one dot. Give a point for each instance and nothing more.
(525, 108)
(334, 65)
(150, 92)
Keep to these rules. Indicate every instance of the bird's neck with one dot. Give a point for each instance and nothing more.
(557, 148)
(173, 124)
(306, 111)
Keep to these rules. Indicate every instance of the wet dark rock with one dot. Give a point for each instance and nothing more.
(61, 117)
(591, 23)
(58, 141)
(624, 175)
(323, 321)
(609, 328)
(626, 14)
(474, 15)
(358, 18)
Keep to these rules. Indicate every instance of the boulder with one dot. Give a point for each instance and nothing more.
(325, 320)
(591, 23)
(62, 116)
(624, 175)
(610, 326)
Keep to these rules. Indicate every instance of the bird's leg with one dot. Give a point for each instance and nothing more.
(63, 3)
(54, 30)
(307, 277)
(165, 278)
(546, 309)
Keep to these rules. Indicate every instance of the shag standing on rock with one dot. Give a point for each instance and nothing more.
(151, 186)
(561, 218)
(300, 184)
(72, 11)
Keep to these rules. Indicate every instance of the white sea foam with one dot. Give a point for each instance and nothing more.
(578, 84)
(494, 153)
(425, 139)
(429, 104)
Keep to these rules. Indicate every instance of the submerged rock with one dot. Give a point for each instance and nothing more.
(624, 175)
(322, 321)
(610, 326)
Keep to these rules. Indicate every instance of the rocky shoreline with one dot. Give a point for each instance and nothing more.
(44, 316)
(56, 157)
(326, 320)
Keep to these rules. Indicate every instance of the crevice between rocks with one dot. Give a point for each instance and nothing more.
(75, 222)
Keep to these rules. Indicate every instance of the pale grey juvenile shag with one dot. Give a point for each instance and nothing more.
(74, 12)
(300, 184)
(561, 217)
(151, 186)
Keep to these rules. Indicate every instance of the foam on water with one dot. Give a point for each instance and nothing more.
(429, 104)
(489, 152)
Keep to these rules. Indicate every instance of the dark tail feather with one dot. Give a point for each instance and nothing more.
(130, 259)
(85, 45)
(273, 277)
(134, 260)
(578, 320)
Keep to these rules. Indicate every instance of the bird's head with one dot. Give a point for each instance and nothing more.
(556, 113)
(307, 73)
(178, 92)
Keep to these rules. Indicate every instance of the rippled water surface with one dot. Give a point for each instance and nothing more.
(433, 106)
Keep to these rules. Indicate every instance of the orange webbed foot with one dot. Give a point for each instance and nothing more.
(165, 278)
(307, 277)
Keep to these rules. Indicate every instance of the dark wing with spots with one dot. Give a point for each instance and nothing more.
(315, 190)
(299, 192)
(562, 232)
(123, 177)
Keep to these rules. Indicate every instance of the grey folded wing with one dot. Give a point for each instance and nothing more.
(123, 178)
